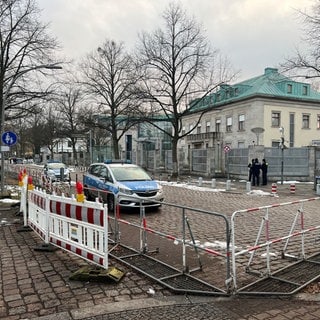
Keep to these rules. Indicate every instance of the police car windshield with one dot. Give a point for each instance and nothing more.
(125, 173)
(56, 165)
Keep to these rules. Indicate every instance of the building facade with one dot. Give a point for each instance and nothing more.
(258, 111)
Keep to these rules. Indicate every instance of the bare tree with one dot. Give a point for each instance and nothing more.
(306, 63)
(69, 108)
(177, 66)
(26, 55)
(109, 78)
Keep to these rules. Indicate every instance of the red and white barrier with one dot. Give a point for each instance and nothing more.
(78, 227)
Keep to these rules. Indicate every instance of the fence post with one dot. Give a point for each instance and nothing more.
(106, 247)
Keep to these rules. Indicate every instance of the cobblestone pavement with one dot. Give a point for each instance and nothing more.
(36, 285)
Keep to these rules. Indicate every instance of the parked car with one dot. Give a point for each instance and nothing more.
(128, 182)
(15, 160)
(57, 171)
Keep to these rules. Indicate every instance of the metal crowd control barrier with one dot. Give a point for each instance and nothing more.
(186, 236)
(132, 233)
(79, 228)
(283, 225)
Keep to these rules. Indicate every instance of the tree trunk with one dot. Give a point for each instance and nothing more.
(175, 165)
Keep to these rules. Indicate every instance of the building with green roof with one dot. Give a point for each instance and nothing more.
(257, 111)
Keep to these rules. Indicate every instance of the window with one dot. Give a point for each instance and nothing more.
(291, 129)
(229, 124)
(318, 121)
(305, 121)
(218, 125)
(241, 122)
(289, 88)
(275, 144)
(240, 144)
(305, 90)
(275, 119)
(199, 128)
(208, 126)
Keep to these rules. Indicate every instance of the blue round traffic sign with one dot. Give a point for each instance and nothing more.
(9, 138)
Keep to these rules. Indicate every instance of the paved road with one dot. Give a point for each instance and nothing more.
(36, 285)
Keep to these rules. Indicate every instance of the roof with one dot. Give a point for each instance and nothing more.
(271, 84)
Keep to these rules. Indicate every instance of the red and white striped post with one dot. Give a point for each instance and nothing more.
(274, 188)
(292, 188)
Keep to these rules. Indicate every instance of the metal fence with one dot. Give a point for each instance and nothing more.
(298, 163)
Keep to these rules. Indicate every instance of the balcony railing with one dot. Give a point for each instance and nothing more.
(204, 136)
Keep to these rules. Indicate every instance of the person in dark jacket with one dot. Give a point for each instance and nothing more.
(264, 169)
(256, 172)
(250, 166)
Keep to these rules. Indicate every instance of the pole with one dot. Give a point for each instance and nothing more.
(90, 145)
(282, 152)
(2, 152)
(282, 158)
(228, 166)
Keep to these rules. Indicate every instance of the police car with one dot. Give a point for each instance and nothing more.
(129, 183)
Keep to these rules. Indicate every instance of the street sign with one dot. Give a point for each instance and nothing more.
(4, 148)
(9, 138)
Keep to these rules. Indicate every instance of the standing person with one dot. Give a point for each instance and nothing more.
(264, 169)
(256, 172)
(250, 166)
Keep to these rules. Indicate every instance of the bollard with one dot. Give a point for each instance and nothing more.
(213, 183)
(200, 181)
(318, 189)
(274, 188)
(248, 186)
(228, 185)
(292, 188)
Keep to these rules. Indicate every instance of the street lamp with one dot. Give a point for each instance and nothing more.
(281, 129)
(4, 104)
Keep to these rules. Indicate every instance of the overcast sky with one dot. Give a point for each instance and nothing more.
(253, 34)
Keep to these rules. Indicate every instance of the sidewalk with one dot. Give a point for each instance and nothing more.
(36, 285)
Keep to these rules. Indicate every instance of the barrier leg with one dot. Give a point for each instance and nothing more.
(23, 206)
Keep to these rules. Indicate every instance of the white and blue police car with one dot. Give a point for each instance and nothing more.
(128, 183)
